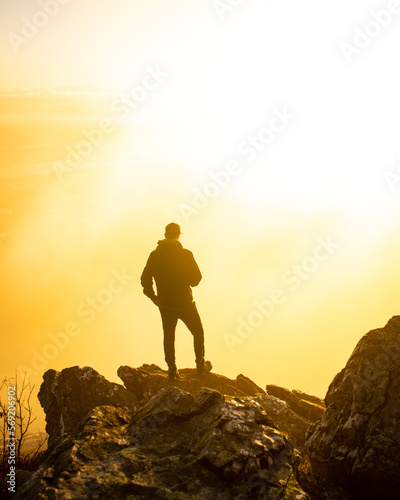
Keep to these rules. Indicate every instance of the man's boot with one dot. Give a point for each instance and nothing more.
(203, 367)
(173, 373)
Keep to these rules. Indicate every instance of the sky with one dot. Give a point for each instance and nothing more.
(268, 130)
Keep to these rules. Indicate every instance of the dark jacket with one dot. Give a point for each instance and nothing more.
(174, 271)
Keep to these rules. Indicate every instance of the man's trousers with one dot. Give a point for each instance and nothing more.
(190, 316)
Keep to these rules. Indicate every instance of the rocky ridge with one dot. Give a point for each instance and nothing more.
(213, 437)
(175, 446)
(199, 437)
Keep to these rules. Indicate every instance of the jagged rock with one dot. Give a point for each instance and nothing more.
(320, 489)
(294, 425)
(308, 397)
(146, 381)
(304, 404)
(357, 441)
(68, 396)
(175, 447)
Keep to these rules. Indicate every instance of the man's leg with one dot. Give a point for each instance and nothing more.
(169, 321)
(190, 316)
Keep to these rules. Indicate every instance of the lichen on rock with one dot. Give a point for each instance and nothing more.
(176, 446)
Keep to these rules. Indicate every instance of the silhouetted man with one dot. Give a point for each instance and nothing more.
(175, 271)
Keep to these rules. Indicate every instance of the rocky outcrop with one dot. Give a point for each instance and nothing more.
(210, 436)
(357, 441)
(146, 381)
(304, 404)
(69, 395)
(176, 446)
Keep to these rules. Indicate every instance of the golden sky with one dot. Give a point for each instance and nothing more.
(268, 130)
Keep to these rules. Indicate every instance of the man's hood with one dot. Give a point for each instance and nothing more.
(168, 243)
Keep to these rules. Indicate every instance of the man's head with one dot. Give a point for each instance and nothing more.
(173, 231)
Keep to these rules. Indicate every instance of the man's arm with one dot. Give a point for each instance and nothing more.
(194, 273)
(147, 281)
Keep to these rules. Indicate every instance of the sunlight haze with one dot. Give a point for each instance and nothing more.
(246, 125)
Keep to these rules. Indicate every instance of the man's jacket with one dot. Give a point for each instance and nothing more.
(174, 271)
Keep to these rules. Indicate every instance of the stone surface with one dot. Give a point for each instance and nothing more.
(175, 447)
(357, 441)
(304, 404)
(294, 425)
(68, 396)
(320, 489)
(146, 381)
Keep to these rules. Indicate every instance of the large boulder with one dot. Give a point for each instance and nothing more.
(175, 447)
(357, 441)
(68, 396)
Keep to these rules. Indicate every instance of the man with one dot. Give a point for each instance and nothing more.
(175, 271)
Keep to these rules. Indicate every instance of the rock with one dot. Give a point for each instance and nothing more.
(320, 489)
(294, 425)
(21, 477)
(301, 395)
(304, 404)
(146, 381)
(356, 444)
(311, 411)
(68, 396)
(177, 446)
